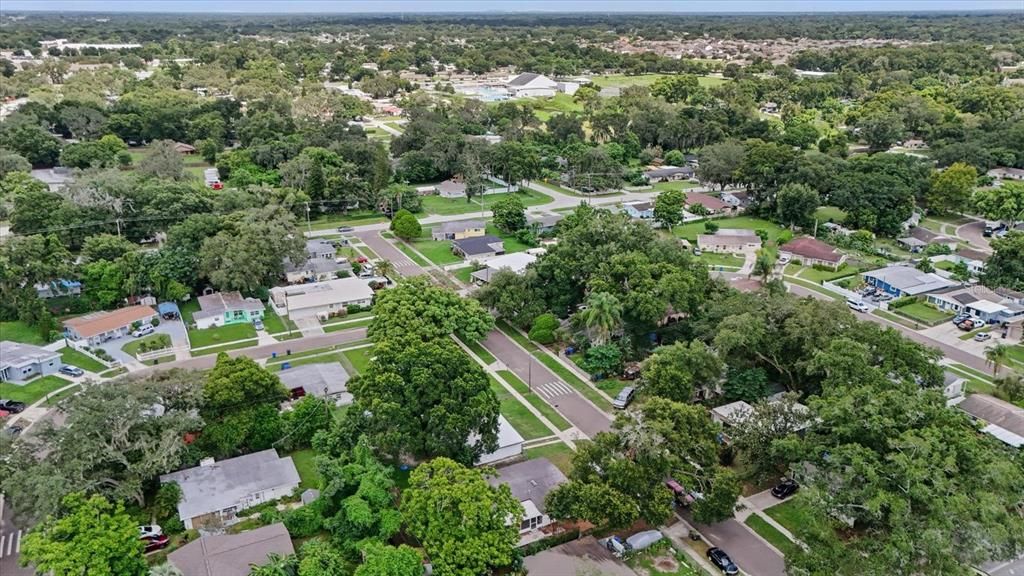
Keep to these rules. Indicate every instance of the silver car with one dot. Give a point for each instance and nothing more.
(624, 398)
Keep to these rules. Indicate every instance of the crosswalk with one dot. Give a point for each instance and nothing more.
(10, 544)
(553, 389)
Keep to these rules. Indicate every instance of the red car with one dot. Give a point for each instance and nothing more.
(362, 259)
(154, 543)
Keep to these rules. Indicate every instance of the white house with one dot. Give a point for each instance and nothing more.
(320, 299)
(213, 492)
(510, 444)
(19, 362)
(729, 240)
(515, 262)
(528, 84)
(639, 210)
(530, 482)
(979, 302)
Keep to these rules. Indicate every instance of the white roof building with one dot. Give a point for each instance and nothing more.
(510, 444)
(321, 299)
(515, 262)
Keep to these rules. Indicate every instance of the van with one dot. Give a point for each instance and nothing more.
(624, 398)
(143, 330)
(993, 226)
(857, 305)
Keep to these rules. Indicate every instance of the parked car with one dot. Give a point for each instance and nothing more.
(857, 305)
(960, 318)
(155, 543)
(697, 252)
(143, 331)
(967, 325)
(150, 531)
(624, 398)
(71, 371)
(346, 229)
(13, 430)
(982, 337)
(785, 489)
(722, 561)
(257, 324)
(12, 406)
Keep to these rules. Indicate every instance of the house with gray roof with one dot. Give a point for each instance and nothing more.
(668, 173)
(530, 482)
(214, 492)
(324, 379)
(231, 554)
(458, 230)
(224, 308)
(906, 281)
(20, 362)
(321, 264)
(478, 247)
(530, 85)
(998, 418)
(543, 223)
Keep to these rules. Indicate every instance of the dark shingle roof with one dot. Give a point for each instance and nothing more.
(523, 79)
(478, 244)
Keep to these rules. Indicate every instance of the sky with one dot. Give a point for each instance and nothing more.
(498, 6)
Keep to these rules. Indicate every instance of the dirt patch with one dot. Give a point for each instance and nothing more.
(666, 564)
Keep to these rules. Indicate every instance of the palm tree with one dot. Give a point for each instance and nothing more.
(997, 356)
(601, 317)
(1010, 387)
(385, 268)
(764, 265)
(276, 565)
(165, 569)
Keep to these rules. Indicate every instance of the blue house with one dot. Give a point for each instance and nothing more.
(905, 281)
(639, 210)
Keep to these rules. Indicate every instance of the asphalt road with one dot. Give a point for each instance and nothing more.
(974, 233)
(402, 263)
(753, 556)
(10, 544)
(577, 409)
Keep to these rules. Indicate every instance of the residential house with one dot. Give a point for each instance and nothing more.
(952, 385)
(530, 482)
(906, 281)
(915, 144)
(639, 210)
(974, 259)
(231, 554)
(478, 247)
(327, 380)
(98, 327)
(515, 262)
(1004, 173)
(914, 220)
(837, 229)
(931, 238)
(730, 240)
(668, 173)
(20, 362)
(58, 288)
(459, 230)
(979, 302)
(510, 444)
(583, 556)
(529, 85)
(544, 223)
(452, 188)
(811, 251)
(732, 413)
(320, 299)
(214, 492)
(769, 107)
(224, 308)
(54, 178)
(692, 160)
(186, 149)
(712, 206)
(911, 244)
(321, 264)
(998, 418)
(738, 199)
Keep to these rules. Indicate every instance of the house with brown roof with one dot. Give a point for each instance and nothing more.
(98, 327)
(182, 148)
(729, 240)
(712, 205)
(811, 251)
(998, 418)
(231, 554)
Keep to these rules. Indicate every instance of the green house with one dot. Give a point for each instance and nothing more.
(224, 308)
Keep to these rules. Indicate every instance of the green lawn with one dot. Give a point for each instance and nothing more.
(225, 348)
(447, 206)
(360, 358)
(353, 218)
(1016, 353)
(691, 230)
(771, 534)
(75, 358)
(654, 561)
(819, 276)
(309, 476)
(827, 213)
(559, 454)
(923, 313)
(480, 351)
(347, 325)
(612, 386)
(529, 426)
(437, 251)
(408, 251)
(274, 324)
(321, 359)
(220, 335)
(791, 514)
(33, 390)
(569, 192)
(715, 259)
(676, 185)
(132, 348)
(512, 244)
(464, 275)
(815, 288)
(114, 373)
(314, 352)
(394, 126)
(18, 331)
(535, 400)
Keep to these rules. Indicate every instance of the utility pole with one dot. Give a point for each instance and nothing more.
(309, 225)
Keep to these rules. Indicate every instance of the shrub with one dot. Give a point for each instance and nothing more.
(603, 360)
(901, 302)
(543, 330)
(784, 236)
(303, 522)
(710, 227)
(798, 262)
(155, 322)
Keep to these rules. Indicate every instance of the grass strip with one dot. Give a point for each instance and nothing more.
(226, 347)
(536, 401)
(771, 534)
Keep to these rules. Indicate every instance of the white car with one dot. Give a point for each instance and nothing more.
(857, 305)
(982, 337)
(144, 330)
(151, 531)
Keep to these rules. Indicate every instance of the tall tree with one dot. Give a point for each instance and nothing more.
(668, 208)
(601, 317)
(1005, 269)
(417, 310)
(678, 370)
(795, 204)
(951, 188)
(509, 214)
(88, 536)
(240, 407)
(248, 254)
(467, 526)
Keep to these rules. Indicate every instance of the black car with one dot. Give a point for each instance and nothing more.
(785, 489)
(720, 559)
(12, 406)
(13, 430)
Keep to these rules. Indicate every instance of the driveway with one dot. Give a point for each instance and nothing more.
(762, 500)
(974, 234)
(752, 555)
(576, 409)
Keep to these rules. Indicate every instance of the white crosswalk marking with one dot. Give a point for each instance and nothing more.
(3, 540)
(17, 544)
(552, 389)
(10, 544)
